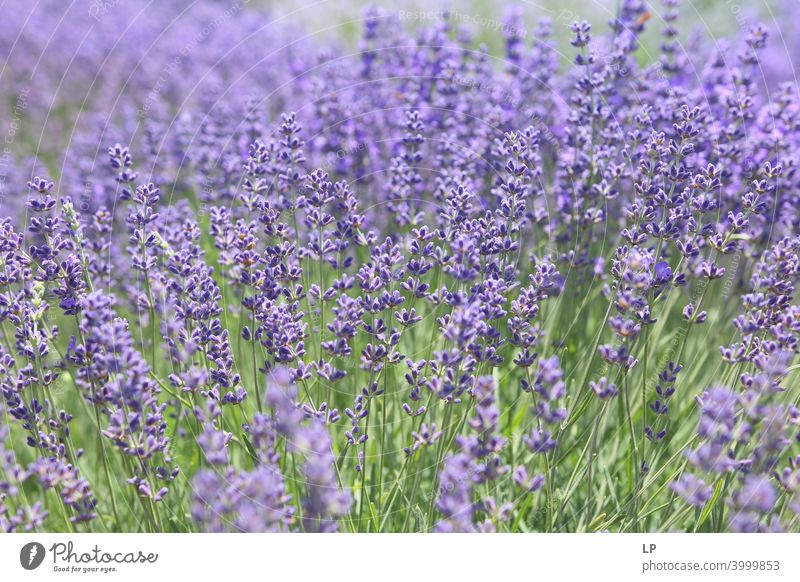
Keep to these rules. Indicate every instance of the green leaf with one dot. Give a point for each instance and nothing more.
(596, 522)
(710, 504)
(249, 446)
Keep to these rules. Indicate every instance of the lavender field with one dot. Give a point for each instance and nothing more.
(401, 269)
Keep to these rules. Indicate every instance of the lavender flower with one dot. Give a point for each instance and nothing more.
(414, 288)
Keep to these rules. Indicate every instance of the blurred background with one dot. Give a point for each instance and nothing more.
(341, 19)
(79, 75)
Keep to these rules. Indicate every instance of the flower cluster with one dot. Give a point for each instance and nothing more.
(411, 288)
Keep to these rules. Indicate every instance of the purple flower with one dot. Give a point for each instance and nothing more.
(603, 389)
(324, 502)
(692, 489)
